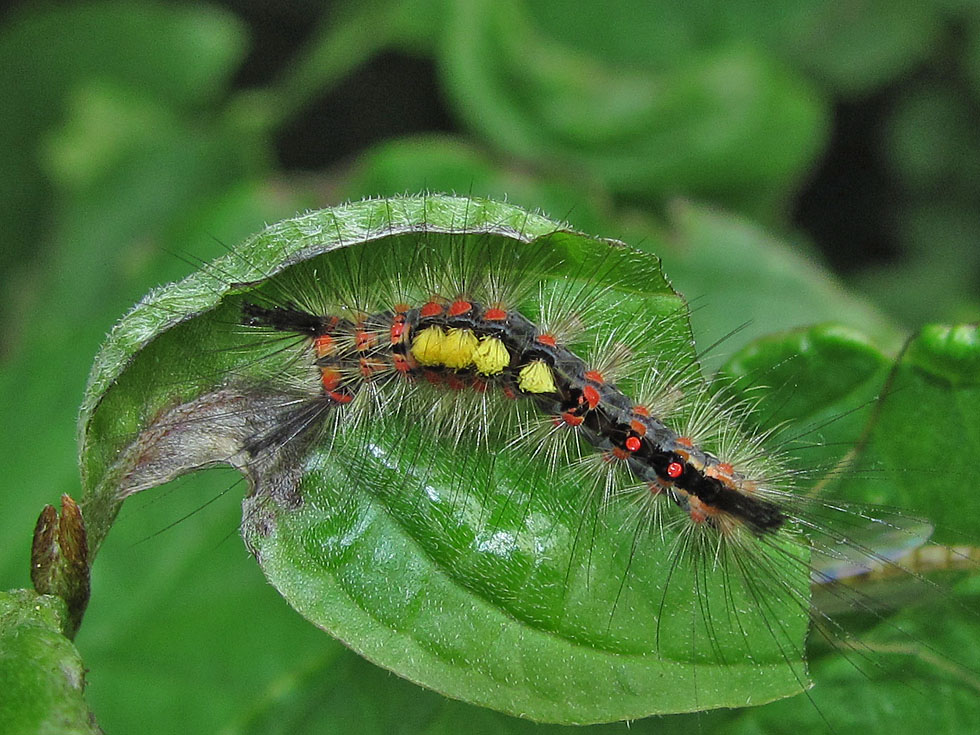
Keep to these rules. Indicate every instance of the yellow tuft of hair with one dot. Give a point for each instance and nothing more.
(458, 348)
(427, 347)
(536, 377)
(491, 356)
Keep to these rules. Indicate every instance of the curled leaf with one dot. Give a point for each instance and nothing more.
(421, 535)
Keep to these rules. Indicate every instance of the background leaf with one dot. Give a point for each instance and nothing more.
(674, 126)
(134, 131)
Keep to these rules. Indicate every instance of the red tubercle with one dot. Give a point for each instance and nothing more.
(675, 470)
(323, 345)
(571, 419)
(459, 307)
(433, 377)
(495, 314)
(547, 339)
(397, 330)
(369, 368)
(633, 443)
(685, 441)
(432, 308)
(509, 393)
(699, 511)
(365, 340)
(591, 396)
(340, 397)
(401, 364)
(641, 411)
(722, 471)
(595, 376)
(638, 428)
(400, 310)
(330, 379)
(619, 453)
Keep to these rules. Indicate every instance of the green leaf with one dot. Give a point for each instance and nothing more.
(895, 414)
(932, 144)
(932, 403)
(900, 416)
(727, 121)
(972, 56)
(849, 48)
(42, 673)
(180, 58)
(485, 580)
(822, 384)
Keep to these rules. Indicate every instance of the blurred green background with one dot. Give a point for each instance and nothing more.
(791, 162)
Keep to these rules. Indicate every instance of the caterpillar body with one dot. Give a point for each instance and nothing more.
(461, 344)
(525, 405)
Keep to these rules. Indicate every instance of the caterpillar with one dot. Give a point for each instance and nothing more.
(466, 345)
(525, 406)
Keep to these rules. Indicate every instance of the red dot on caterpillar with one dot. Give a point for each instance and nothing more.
(674, 470)
(722, 470)
(459, 307)
(432, 308)
(699, 512)
(323, 345)
(339, 397)
(369, 368)
(633, 443)
(330, 379)
(591, 396)
(397, 330)
(365, 340)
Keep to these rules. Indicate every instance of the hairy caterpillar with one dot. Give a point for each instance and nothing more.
(523, 404)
